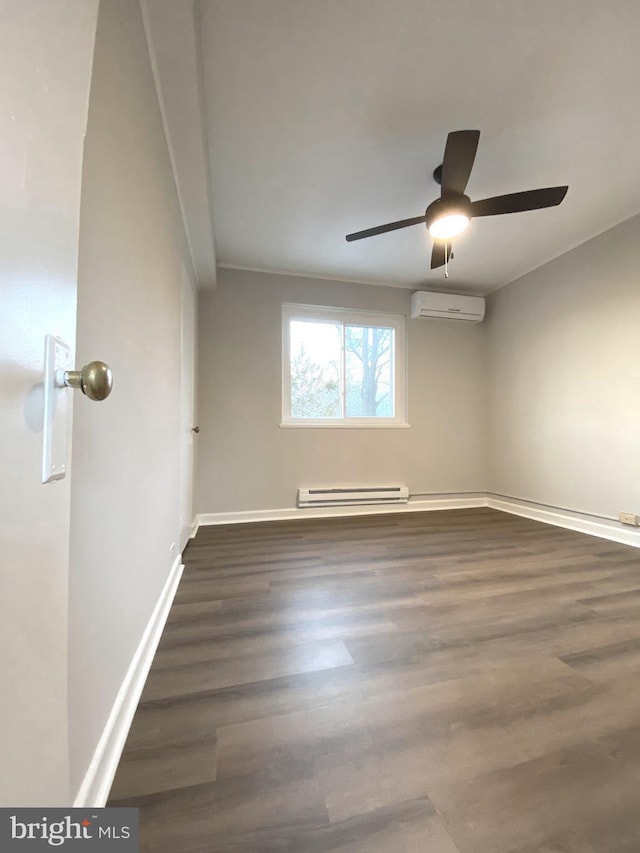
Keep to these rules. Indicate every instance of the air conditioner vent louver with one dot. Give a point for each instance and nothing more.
(352, 495)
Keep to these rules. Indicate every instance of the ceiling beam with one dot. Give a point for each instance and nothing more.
(172, 31)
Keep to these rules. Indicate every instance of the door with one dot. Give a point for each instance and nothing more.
(46, 52)
(187, 408)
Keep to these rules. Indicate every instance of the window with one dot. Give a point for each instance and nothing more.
(342, 368)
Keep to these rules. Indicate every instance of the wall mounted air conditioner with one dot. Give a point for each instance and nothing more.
(447, 306)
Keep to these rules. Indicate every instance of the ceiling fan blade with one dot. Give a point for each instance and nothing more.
(437, 254)
(518, 202)
(382, 229)
(459, 154)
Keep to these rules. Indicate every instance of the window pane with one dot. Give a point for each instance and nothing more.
(369, 372)
(314, 358)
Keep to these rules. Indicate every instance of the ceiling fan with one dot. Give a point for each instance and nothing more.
(449, 215)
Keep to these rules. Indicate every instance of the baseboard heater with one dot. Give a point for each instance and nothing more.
(353, 496)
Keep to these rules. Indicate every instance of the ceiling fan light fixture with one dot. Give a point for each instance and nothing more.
(447, 217)
(449, 225)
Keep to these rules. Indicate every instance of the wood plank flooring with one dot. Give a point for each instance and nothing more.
(445, 682)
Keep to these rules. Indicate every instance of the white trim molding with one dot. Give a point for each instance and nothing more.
(324, 276)
(188, 534)
(194, 527)
(342, 425)
(95, 787)
(604, 528)
(453, 501)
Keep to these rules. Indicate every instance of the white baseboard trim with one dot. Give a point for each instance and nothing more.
(601, 527)
(95, 787)
(290, 513)
(194, 527)
(188, 533)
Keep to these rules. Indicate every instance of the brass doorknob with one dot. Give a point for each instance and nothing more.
(95, 380)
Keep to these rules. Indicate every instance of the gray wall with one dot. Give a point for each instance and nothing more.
(126, 451)
(46, 49)
(246, 461)
(564, 367)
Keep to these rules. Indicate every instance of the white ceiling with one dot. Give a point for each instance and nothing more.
(329, 116)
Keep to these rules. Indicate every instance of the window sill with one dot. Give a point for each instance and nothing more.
(341, 425)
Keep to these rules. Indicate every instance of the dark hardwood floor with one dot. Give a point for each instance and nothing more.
(445, 682)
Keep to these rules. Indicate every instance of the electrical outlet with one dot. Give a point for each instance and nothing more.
(628, 518)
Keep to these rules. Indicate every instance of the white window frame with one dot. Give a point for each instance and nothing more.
(291, 311)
